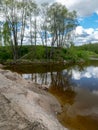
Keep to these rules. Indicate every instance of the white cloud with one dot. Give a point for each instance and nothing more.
(76, 75)
(89, 31)
(83, 35)
(44, 1)
(88, 73)
(96, 34)
(69, 3)
(95, 92)
(83, 8)
(2, 18)
(79, 30)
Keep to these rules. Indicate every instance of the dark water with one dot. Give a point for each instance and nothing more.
(76, 88)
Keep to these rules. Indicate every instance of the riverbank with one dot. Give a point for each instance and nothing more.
(24, 106)
(27, 55)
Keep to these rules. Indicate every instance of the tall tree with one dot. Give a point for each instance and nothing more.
(1, 22)
(0, 35)
(32, 7)
(44, 27)
(61, 24)
(16, 14)
(6, 34)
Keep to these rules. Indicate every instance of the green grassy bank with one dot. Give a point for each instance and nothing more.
(36, 54)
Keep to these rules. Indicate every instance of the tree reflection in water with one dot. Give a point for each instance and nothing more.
(74, 88)
(62, 88)
(40, 78)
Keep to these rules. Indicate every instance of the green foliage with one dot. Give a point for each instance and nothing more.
(60, 21)
(76, 55)
(5, 54)
(89, 47)
(6, 33)
(91, 50)
(33, 52)
(24, 50)
(40, 53)
(59, 54)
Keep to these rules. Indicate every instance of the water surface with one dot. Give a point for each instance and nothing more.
(76, 88)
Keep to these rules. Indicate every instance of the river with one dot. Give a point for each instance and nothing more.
(76, 88)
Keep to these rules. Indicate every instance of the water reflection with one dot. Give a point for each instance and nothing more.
(83, 113)
(89, 72)
(40, 78)
(88, 78)
(76, 88)
(61, 87)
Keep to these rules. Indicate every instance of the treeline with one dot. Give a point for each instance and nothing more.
(72, 54)
(93, 47)
(48, 24)
(28, 55)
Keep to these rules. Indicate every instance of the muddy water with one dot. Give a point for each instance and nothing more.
(76, 88)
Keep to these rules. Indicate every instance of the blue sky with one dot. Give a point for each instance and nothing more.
(89, 21)
(87, 31)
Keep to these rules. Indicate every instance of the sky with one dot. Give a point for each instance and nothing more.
(87, 12)
(87, 15)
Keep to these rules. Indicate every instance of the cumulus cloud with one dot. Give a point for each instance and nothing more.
(88, 73)
(83, 8)
(44, 1)
(83, 35)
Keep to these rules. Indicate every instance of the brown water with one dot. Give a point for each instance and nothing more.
(76, 88)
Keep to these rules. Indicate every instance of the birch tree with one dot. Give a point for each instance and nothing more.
(16, 14)
(61, 23)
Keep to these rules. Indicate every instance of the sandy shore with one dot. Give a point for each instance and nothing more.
(23, 106)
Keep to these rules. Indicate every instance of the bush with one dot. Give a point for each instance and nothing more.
(5, 53)
(75, 55)
(89, 47)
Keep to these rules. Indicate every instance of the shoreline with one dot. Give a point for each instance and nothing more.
(25, 105)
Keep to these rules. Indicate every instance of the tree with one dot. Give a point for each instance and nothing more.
(32, 7)
(54, 23)
(1, 24)
(61, 24)
(36, 12)
(0, 35)
(6, 33)
(16, 14)
(34, 28)
(44, 27)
